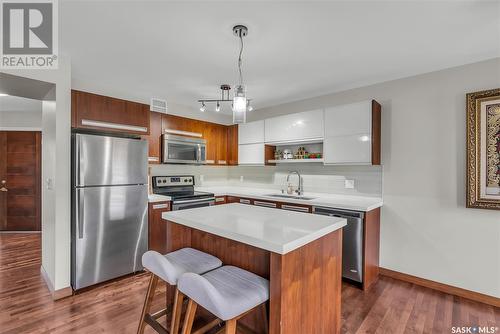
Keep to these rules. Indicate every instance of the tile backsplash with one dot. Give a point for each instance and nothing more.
(316, 178)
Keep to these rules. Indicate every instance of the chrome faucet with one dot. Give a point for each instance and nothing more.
(299, 190)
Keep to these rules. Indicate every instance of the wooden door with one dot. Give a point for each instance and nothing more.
(20, 159)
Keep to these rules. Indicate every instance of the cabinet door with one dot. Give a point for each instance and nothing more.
(157, 227)
(232, 145)
(349, 119)
(221, 154)
(353, 149)
(92, 111)
(251, 133)
(251, 154)
(154, 137)
(297, 127)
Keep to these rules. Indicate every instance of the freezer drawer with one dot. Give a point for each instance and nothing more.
(109, 232)
(102, 160)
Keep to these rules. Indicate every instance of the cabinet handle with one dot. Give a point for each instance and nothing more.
(153, 159)
(117, 126)
(266, 204)
(244, 201)
(220, 199)
(160, 206)
(222, 162)
(210, 161)
(294, 208)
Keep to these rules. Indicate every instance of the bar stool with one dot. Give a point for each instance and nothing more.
(227, 292)
(169, 268)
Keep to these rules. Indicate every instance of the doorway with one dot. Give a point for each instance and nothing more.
(20, 181)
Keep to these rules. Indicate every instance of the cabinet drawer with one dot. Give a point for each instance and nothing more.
(295, 207)
(265, 204)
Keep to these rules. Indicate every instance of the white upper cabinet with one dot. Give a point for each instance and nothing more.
(303, 126)
(349, 119)
(352, 134)
(251, 133)
(251, 154)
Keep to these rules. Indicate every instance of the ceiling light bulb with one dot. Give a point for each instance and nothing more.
(203, 107)
(249, 107)
(217, 107)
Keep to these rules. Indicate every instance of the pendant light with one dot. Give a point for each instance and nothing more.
(240, 98)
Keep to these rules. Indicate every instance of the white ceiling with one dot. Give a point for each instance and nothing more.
(183, 51)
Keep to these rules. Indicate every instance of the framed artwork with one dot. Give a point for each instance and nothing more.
(483, 149)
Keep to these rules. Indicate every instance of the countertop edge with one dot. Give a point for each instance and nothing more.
(269, 246)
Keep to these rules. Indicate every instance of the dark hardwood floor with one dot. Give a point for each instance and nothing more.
(26, 306)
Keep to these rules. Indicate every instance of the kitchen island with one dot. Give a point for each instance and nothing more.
(300, 254)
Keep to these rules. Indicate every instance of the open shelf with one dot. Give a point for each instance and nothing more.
(290, 161)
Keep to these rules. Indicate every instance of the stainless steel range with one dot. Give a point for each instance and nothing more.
(181, 189)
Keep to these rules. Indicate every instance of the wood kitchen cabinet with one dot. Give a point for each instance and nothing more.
(220, 200)
(97, 112)
(157, 235)
(214, 134)
(232, 145)
(154, 137)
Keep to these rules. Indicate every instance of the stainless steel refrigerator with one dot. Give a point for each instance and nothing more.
(109, 230)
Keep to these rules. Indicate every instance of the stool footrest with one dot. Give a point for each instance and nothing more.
(148, 318)
(159, 314)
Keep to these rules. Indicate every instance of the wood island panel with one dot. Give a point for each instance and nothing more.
(371, 247)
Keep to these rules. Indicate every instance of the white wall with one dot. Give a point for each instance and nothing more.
(426, 229)
(56, 134)
(15, 120)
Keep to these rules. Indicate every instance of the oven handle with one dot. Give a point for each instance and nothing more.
(194, 200)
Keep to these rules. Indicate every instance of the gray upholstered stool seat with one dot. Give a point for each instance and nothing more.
(227, 292)
(171, 266)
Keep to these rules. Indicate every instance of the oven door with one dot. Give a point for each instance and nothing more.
(192, 203)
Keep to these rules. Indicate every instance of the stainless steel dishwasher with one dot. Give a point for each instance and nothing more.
(352, 241)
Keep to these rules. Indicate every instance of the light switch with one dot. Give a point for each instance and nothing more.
(49, 184)
(349, 184)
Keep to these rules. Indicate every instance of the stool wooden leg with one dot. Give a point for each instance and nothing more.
(189, 317)
(176, 311)
(231, 326)
(153, 281)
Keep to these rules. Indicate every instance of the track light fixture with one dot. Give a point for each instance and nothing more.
(240, 104)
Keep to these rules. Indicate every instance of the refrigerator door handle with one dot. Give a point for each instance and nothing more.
(78, 145)
(79, 216)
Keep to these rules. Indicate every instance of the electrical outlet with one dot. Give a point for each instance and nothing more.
(241, 178)
(349, 184)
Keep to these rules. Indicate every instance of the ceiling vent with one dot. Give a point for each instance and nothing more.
(158, 105)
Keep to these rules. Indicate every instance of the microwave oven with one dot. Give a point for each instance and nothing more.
(183, 150)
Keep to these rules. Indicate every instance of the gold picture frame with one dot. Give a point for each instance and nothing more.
(483, 149)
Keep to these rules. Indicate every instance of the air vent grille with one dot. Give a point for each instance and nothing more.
(158, 105)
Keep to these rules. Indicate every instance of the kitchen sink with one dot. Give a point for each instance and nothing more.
(291, 196)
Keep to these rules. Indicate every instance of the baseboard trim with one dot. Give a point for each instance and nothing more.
(62, 293)
(452, 290)
(56, 294)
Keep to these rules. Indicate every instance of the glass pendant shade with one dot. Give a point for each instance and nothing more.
(240, 105)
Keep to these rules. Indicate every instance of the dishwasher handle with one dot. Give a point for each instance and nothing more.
(337, 212)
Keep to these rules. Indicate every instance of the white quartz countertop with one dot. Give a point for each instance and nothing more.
(274, 230)
(348, 202)
(153, 198)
